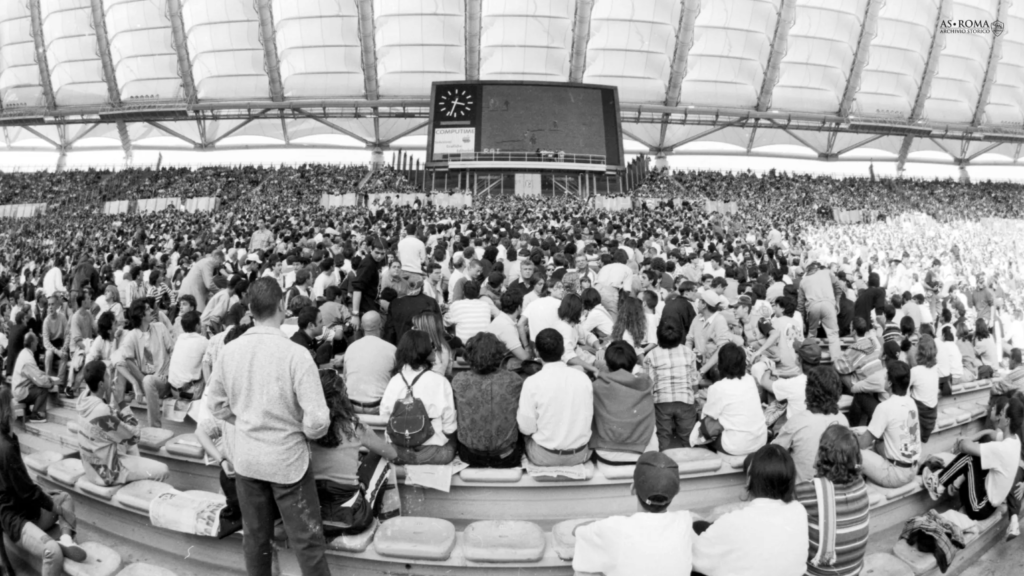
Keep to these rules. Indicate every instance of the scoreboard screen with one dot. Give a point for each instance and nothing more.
(517, 121)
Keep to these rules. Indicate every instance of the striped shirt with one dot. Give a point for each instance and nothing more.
(852, 521)
(673, 372)
(863, 361)
(469, 317)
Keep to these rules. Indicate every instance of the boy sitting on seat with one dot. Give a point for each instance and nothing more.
(108, 442)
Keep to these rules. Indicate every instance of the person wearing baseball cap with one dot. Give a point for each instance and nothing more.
(708, 336)
(791, 385)
(653, 541)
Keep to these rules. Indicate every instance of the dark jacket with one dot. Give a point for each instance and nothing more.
(21, 499)
(15, 343)
(679, 309)
(623, 412)
(85, 274)
(870, 302)
(402, 311)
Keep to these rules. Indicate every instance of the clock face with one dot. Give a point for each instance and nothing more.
(455, 103)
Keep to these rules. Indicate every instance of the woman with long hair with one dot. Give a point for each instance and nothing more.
(631, 323)
(985, 344)
(27, 512)
(350, 485)
(488, 399)
(924, 385)
(768, 537)
(597, 320)
(836, 497)
(908, 341)
(968, 357)
(414, 380)
(433, 325)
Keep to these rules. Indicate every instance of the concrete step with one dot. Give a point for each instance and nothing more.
(31, 443)
(53, 432)
(60, 415)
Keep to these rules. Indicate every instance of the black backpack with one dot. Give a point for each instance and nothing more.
(409, 425)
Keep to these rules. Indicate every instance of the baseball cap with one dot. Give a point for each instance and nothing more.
(711, 298)
(809, 351)
(301, 276)
(656, 479)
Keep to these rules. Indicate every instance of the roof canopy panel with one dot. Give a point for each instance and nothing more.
(418, 42)
(961, 72)
(224, 46)
(898, 57)
(1006, 101)
(20, 86)
(76, 72)
(142, 50)
(727, 62)
(526, 39)
(631, 46)
(318, 46)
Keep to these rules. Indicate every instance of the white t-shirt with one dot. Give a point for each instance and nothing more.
(794, 392)
(599, 319)
(644, 543)
(540, 314)
(765, 538)
(1001, 460)
(924, 385)
(895, 421)
(412, 253)
(187, 359)
(735, 403)
(950, 360)
(504, 327)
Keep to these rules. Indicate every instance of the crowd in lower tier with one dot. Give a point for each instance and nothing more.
(539, 332)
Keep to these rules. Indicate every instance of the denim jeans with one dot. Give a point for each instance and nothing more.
(825, 315)
(155, 387)
(299, 507)
(673, 422)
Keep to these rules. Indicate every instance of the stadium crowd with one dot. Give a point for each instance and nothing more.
(540, 331)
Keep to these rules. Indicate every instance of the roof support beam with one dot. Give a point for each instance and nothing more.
(868, 30)
(40, 54)
(474, 28)
(126, 141)
(680, 58)
(753, 134)
(925, 87)
(284, 130)
(238, 127)
(631, 136)
(780, 44)
(188, 84)
(82, 134)
(334, 126)
(177, 135)
(402, 134)
(852, 147)
(99, 26)
(368, 46)
(271, 63)
(42, 137)
(695, 137)
(995, 53)
(795, 137)
(984, 150)
(580, 39)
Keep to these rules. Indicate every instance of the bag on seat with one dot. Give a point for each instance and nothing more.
(409, 425)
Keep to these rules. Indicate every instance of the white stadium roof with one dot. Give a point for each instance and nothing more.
(836, 77)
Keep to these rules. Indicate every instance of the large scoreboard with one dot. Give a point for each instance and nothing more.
(558, 126)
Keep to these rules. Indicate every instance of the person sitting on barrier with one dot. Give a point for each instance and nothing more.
(862, 372)
(768, 537)
(185, 371)
(350, 485)
(989, 465)
(949, 361)
(924, 386)
(27, 512)
(1013, 382)
(488, 399)
(412, 383)
(624, 409)
(369, 363)
(108, 441)
(672, 369)
(891, 444)
(30, 385)
(790, 388)
(54, 330)
(801, 434)
(732, 421)
(556, 408)
(652, 542)
(470, 314)
(985, 348)
(144, 356)
(909, 337)
(444, 355)
(837, 506)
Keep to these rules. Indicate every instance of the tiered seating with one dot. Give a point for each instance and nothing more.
(457, 532)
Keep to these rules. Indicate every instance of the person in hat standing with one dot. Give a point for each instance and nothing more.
(818, 299)
(710, 330)
(653, 541)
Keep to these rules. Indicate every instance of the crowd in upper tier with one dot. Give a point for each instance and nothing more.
(537, 330)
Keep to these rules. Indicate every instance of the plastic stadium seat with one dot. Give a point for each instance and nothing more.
(138, 495)
(504, 475)
(104, 492)
(73, 427)
(875, 497)
(355, 542)
(204, 495)
(900, 491)
(734, 462)
(612, 472)
(101, 561)
(589, 468)
(66, 472)
(373, 420)
(503, 541)
(40, 461)
(885, 565)
(154, 438)
(416, 538)
(919, 562)
(143, 569)
(185, 445)
(564, 540)
(694, 460)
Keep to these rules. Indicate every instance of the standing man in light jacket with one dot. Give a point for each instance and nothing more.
(818, 301)
(199, 280)
(268, 387)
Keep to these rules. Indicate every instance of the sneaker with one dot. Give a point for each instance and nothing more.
(37, 419)
(71, 550)
(1013, 530)
(930, 481)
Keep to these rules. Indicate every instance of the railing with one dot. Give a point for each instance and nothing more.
(542, 156)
